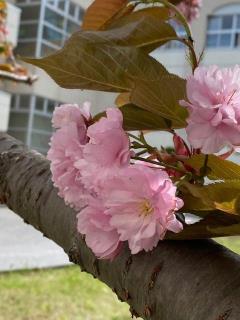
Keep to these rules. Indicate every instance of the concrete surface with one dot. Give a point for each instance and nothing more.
(23, 247)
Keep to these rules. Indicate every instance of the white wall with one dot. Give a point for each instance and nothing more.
(13, 19)
(4, 110)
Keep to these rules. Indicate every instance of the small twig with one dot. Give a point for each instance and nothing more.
(141, 152)
(204, 168)
(160, 164)
(135, 137)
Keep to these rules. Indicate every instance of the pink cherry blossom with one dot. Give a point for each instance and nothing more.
(67, 113)
(190, 9)
(101, 237)
(180, 146)
(141, 202)
(66, 148)
(107, 151)
(214, 108)
(124, 202)
(109, 143)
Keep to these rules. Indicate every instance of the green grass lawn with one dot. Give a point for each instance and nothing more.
(57, 294)
(63, 294)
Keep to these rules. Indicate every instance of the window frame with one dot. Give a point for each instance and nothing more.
(43, 22)
(227, 10)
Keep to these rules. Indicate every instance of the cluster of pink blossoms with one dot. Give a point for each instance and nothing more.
(214, 108)
(190, 9)
(90, 164)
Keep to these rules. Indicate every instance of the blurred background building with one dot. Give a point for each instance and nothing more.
(43, 26)
(217, 32)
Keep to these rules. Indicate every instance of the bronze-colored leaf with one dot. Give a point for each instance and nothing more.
(85, 64)
(175, 2)
(195, 204)
(121, 13)
(219, 169)
(224, 196)
(146, 28)
(122, 99)
(216, 224)
(100, 12)
(135, 118)
(162, 97)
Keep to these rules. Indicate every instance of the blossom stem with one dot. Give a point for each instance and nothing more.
(204, 168)
(181, 18)
(179, 15)
(158, 163)
(141, 152)
(147, 160)
(135, 137)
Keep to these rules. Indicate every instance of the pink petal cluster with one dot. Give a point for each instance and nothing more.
(190, 9)
(214, 108)
(107, 150)
(101, 236)
(142, 203)
(66, 148)
(124, 202)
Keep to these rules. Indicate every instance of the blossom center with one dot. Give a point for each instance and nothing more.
(146, 208)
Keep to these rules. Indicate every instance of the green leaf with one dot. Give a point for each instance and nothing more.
(220, 169)
(86, 64)
(161, 97)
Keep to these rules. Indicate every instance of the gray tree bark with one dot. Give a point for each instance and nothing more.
(186, 280)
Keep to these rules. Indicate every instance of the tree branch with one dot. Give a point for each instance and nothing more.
(195, 280)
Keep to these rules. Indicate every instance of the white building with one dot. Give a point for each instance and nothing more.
(13, 20)
(216, 31)
(44, 27)
(46, 24)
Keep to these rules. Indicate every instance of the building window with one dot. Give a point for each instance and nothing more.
(28, 30)
(46, 25)
(27, 48)
(30, 120)
(30, 12)
(54, 18)
(24, 102)
(52, 36)
(72, 26)
(46, 50)
(224, 28)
